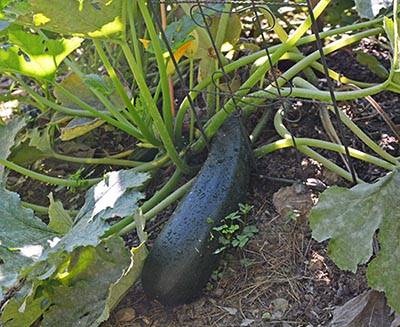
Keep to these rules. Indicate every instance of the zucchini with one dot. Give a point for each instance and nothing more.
(181, 260)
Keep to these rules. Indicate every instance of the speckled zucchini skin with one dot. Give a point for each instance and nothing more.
(181, 260)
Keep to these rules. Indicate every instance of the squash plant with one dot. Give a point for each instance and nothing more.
(74, 58)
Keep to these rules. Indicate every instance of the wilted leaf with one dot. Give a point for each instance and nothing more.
(79, 126)
(366, 309)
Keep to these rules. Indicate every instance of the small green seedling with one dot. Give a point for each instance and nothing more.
(232, 232)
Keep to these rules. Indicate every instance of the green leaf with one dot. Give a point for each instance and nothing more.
(100, 83)
(372, 63)
(371, 8)
(131, 274)
(115, 196)
(82, 89)
(90, 18)
(32, 55)
(355, 221)
(23, 239)
(84, 289)
(60, 220)
(384, 271)
(363, 210)
(36, 145)
(81, 299)
(8, 134)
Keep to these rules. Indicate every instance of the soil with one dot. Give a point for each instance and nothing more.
(282, 277)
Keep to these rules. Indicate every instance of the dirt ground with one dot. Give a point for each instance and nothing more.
(282, 277)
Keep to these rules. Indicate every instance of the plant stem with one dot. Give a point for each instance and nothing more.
(353, 127)
(180, 192)
(121, 91)
(156, 199)
(98, 161)
(158, 121)
(288, 142)
(167, 112)
(48, 179)
(125, 126)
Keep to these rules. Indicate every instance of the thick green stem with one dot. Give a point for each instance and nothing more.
(123, 125)
(288, 142)
(156, 199)
(98, 161)
(155, 40)
(215, 122)
(158, 121)
(253, 57)
(49, 103)
(180, 192)
(137, 120)
(353, 127)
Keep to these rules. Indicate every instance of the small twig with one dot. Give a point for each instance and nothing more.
(378, 108)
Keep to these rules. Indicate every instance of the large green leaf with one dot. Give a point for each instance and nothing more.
(384, 272)
(87, 18)
(84, 292)
(32, 55)
(23, 239)
(116, 196)
(351, 217)
(75, 279)
(7, 138)
(371, 8)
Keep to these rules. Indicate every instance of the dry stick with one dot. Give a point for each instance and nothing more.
(170, 81)
(378, 108)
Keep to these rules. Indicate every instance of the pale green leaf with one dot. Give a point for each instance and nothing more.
(40, 139)
(384, 271)
(60, 220)
(119, 289)
(83, 289)
(23, 239)
(82, 297)
(79, 126)
(32, 55)
(7, 138)
(87, 18)
(371, 8)
(115, 196)
(355, 221)
(372, 63)
(17, 314)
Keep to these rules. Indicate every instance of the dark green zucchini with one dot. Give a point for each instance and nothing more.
(181, 260)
